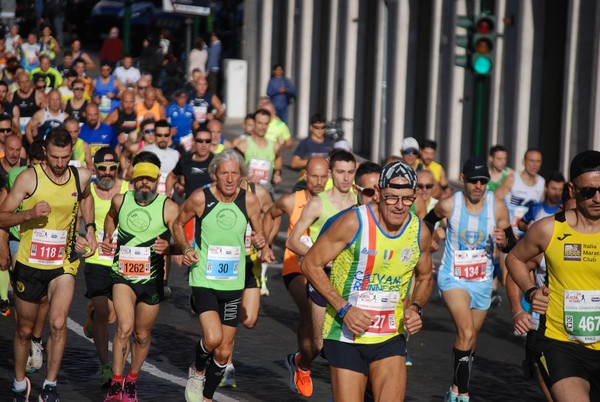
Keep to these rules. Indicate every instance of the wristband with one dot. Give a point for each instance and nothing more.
(90, 224)
(419, 308)
(172, 249)
(342, 312)
(187, 249)
(518, 312)
(529, 292)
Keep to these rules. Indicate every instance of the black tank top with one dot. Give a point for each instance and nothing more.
(126, 122)
(75, 113)
(27, 106)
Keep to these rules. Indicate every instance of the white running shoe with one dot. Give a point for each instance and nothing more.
(194, 386)
(228, 380)
(36, 358)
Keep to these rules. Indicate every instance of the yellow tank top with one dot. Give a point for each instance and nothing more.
(48, 243)
(573, 268)
(373, 272)
(436, 169)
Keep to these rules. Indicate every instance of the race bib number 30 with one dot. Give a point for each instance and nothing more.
(470, 265)
(582, 315)
(48, 246)
(382, 305)
(134, 262)
(223, 263)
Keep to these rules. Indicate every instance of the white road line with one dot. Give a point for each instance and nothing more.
(149, 367)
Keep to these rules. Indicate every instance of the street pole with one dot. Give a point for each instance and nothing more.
(127, 27)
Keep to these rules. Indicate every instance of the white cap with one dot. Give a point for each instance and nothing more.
(410, 143)
(344, 145)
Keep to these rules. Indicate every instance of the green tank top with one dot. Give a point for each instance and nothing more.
(78, 152)
(260, 161)
(10, 181)
(139, 226)
(327, 212)
(493, 185)
(220, 233)
(101, 208)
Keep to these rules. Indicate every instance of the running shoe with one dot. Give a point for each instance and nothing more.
(194, 386)
(22, 396)
(49, 394)
(129, 392)
(409, 361)
(450, 396)
(105, 375)
(290, 363)
(88, 327)
(462, 398)
(228, 380)
(114, 392)
(4, 307)
(264, 291)
(301, 378)
(36, 357)
(167, 292)
(496, 299)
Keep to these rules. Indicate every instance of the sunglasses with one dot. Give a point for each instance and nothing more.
(201, 141)
(410, 152)
(425, 186)
(367, 192)
(318, 127)
(103, 167)
(142, 87)
(162, 135)
(149, 131)
(78, 89)
(587, 192)
(5, 130)
(475, 181)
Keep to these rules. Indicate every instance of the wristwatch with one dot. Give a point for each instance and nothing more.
(419, 308)
(529, 292)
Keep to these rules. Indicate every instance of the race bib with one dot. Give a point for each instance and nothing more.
(470, 265)
(162, 184)
(306, 240)
(260, 169)
(187, 141)
(382, 305)
(223, 263)
(582, 315)
(48, 247)
(23, 122)
(519, 213)
(104, 102)
(200, 112)
(134, 262)
(101, 254)
(248, 239)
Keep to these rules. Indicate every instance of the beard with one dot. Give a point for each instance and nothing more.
(105, 183)
(145, 197)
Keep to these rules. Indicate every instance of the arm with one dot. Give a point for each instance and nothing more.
(271, 221)
(193, 206)
(423, 284)
(266, 202)
(32, 126)
(420, 207)
(87, 210)
(310, 214)
(506, 185)
(277, 165)
(219, 106)
(298, 163)
(23, 187)
(171, 180)
(258, 236)
(162, 112)
(522, 320)
(111, 221)
(161, 246)
(88, 156)
(112, 117)
(89, 63)
(326, 248)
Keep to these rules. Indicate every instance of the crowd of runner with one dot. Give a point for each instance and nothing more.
(107, 172)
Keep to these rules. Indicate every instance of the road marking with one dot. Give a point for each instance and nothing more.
(149, 367)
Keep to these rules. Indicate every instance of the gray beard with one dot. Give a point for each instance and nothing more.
(144, 197)
(105, 183)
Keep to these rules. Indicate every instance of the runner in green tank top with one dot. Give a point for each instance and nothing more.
(217, 265)
(144, 219)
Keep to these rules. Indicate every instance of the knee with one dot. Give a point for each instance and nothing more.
(142, 338)
(466, 338)
(24, 332)
(58, 325)
(124, 330)
(212, 340)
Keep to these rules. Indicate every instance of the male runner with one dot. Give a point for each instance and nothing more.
(217, 265)
(50, 194)
(477, 221)
(144, 218)
(568, 337)
(375, 250)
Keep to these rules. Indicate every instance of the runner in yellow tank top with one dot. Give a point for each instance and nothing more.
(50, 194)
(375, 250)
(568, 338)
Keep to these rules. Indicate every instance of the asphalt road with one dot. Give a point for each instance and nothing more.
(259, 353)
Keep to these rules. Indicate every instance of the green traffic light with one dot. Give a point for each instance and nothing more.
(482, 65)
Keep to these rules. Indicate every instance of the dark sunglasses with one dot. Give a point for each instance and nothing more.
(139, 87)
(587, 192)
(149, 131)
(425, 186)
(367, 192)
(103, 167)
(410, 151)
(162, 135)
(78, 89)
(201, 141)
(5, 130)
(475, 181)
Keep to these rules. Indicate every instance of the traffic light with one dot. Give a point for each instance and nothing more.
(464, 41)
(483, 44)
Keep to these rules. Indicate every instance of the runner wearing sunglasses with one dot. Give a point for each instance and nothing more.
(477, 221)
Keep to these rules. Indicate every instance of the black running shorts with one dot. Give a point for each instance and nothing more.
(31, 284)
(98, 280)
(224, 302)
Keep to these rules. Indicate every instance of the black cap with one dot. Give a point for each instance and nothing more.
(100, 155)
(586, 161)
(398, 169)
(476, 168)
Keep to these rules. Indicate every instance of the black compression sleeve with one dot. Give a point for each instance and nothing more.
(511, 240)
(431, 219)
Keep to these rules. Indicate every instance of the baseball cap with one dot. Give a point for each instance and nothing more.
(100, 155)
(410, 143)
(476, 168)
(586, 161)
(343, 144)
(398, 169)
(146, 169)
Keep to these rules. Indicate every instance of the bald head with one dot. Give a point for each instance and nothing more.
(317, 173)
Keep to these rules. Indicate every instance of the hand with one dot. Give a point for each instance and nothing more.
(190, 258)
(90, 237)
(435, 246)
(283, 90)
(161, 246)
(499, 237)
(258, 240)
(276, 178)
(523, 322)
(539, 300)
(358, 320)
(40, 210)
(81, 244)
(412, 320)
(107, 245)
(110, 95)
(178, 259)
(266, 255)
